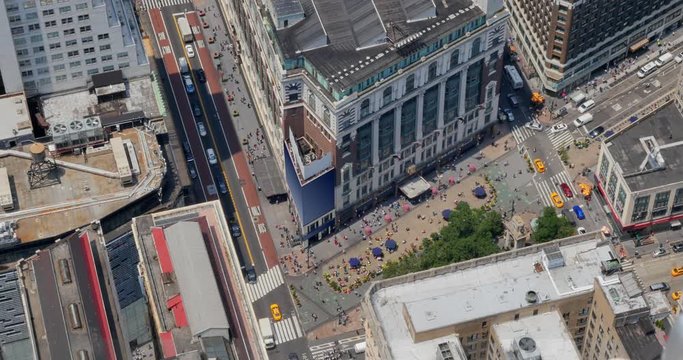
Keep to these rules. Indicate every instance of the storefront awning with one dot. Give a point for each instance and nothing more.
(415, 187)
(639, 44)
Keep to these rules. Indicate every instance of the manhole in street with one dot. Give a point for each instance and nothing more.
(616, 107)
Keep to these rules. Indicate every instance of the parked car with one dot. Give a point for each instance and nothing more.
(558, 128)
(189, 50)
(187, 150)
(509, 115)
(251, 274)
(596, 132)
(221, 186)
(579, 212)
(211, 155)
(581, 230)
(193, 172)
(676, 295)
(534, 125)
(557, 199)
(660, 286)
(202, 128)
(677, 247)
(514, 100)
(275, 311)
(679, 58)
(659, 252)
(586, 105)
(566, 190)
(234, 228)
(201, 76)
(189, 86)
(196, 110)
(677, 271)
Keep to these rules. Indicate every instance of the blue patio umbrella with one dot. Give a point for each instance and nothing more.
(479, 192)
(354, 263)
(446, 214)
(391, 244)
(377, 252)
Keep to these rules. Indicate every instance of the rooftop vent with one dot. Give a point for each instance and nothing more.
(525, 349)
(531, 297)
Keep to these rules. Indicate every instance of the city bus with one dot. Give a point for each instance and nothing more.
(514, 77)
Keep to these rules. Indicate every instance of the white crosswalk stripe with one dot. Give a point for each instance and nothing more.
(265, 283)
(521, 133)
(287, 329)
(561, 139)
(548, 186)
(151, 4)
(319, 352)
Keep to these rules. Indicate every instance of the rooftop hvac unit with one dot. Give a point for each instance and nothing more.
(76, 125)
(93, 123)
(58, 129)
(525, 349)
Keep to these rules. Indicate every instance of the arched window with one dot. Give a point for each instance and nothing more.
(455, 58)
(476, 47)
(365, 108)
(387, 96)
(431, 74)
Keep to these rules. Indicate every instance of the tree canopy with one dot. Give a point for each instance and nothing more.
(470, 233)
(551, 227)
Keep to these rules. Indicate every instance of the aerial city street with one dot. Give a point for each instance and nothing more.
(339, 179)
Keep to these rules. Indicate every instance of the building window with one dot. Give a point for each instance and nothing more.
(640, 208)
(431, 72)
(365, 108)
(83, 17)
(64, 9)
(17, 30)
(364, 142)
(76, 74)
(43, 71)
(122, 55)
(14, 18)
(81, 6)
(59, 78)
(85, 28)
(621, 198)
(72, 53)
(612, 186)
(387, 96)
(41, 60)
(326, 116)
(71, 42)
(452, 98)
(455, 58)
(89, 50)
(27, 73)
(52, 35)
(57, 57)
(472, 85)
(102, 36)
(661, 205)
(48, 12)
(476, 47)
(87, 39)
(55, 46)
(106, 58)
(408, 122)
(90, 61)
(678, 201)
(68, 20)
(604, 168)
(410, 83)
(59, 67)
(124, 65)
(33, 27)
(386, 135)
(430, 110)
(93, 71)
(493, 62)
(68, 32)
(108, 68)
(74, 64)
(36, 38)
(23, 63)
(105, 47)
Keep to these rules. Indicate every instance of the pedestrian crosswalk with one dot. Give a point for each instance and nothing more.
(287, 329)
(559, 139)
(265, 283)
(546, 187)
(152, 4)
(328, 350)
(521, 133)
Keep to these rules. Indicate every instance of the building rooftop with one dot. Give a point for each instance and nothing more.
(631, 149)
(481, 288)
(544, 334)
(14, 336)
(140, 96)
(624, 294)
(640, 341)
(88, 187)
(69, 302)
(16, 120)
(180, 283)
(350, 40)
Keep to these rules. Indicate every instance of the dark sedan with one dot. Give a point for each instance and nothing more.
(596, 132)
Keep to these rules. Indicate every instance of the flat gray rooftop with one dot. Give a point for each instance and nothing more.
(350, 40)
(547, 330)
(665, 126)
(480, 292)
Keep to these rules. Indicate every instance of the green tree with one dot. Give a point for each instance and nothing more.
(470, 233)
(551, 227)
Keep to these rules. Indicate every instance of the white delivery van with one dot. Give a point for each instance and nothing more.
(266, 333)
(359, 348)
(648, 69)
(664, 59)
(586, 105)
(583, 120)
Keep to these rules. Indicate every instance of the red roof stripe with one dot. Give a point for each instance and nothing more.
(162, 250)
(97, 295)
(167, 344)
(175, 304)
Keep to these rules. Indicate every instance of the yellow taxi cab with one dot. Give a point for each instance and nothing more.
(557, 200)
(677, 271)
(676, 295)
(275, 311)
(585, 189)
(539, 165)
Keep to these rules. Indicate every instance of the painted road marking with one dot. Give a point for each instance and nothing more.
(265, 283)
